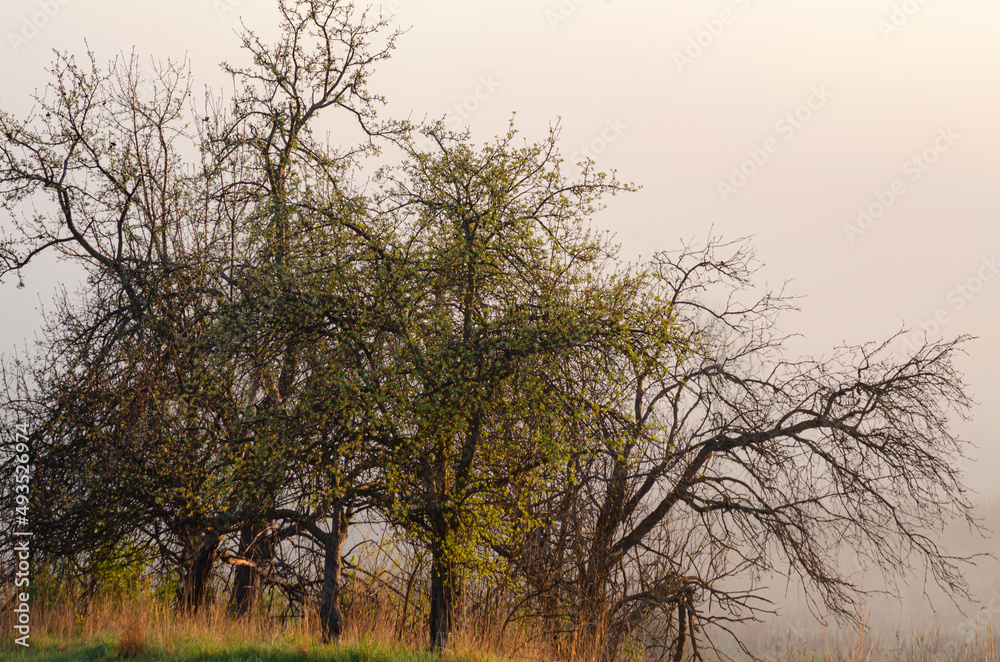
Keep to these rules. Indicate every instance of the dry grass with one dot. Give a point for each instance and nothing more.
(138, 627)
(132, 642)
(143, 629)
(776, 643)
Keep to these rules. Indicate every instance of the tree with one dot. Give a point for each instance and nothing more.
(130, 368)
(194, 258)
(497, 278)
(321, 61)
(712, 457)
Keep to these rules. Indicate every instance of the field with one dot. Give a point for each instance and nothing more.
(147, 632)
(116, 631)
(139, 624)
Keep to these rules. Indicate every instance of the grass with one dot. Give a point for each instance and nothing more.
(144, 631)
(776, 644)
(352, 652)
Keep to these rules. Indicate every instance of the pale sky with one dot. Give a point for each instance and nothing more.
(885, 105)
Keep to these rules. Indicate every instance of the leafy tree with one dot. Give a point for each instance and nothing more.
(193, 259)
(130, 371)
(498, 278)
(321, 61)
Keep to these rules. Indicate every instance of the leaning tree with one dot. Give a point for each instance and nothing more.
(711, 460)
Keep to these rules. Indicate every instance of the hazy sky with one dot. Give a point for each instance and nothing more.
(779, 119)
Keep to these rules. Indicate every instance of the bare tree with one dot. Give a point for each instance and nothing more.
(711, 457)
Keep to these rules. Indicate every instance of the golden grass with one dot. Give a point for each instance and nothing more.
(146, 629)
(141, 628)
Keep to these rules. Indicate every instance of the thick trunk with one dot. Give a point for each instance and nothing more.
(194, 592)
(442, 596)
(331, 619)
(247, 585)
(244, 590)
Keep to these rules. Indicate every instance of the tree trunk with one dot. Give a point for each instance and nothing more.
(596, 635)
(442, 595)
(194, 591)
(682, 618)
(257, 548)
(331, 619)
